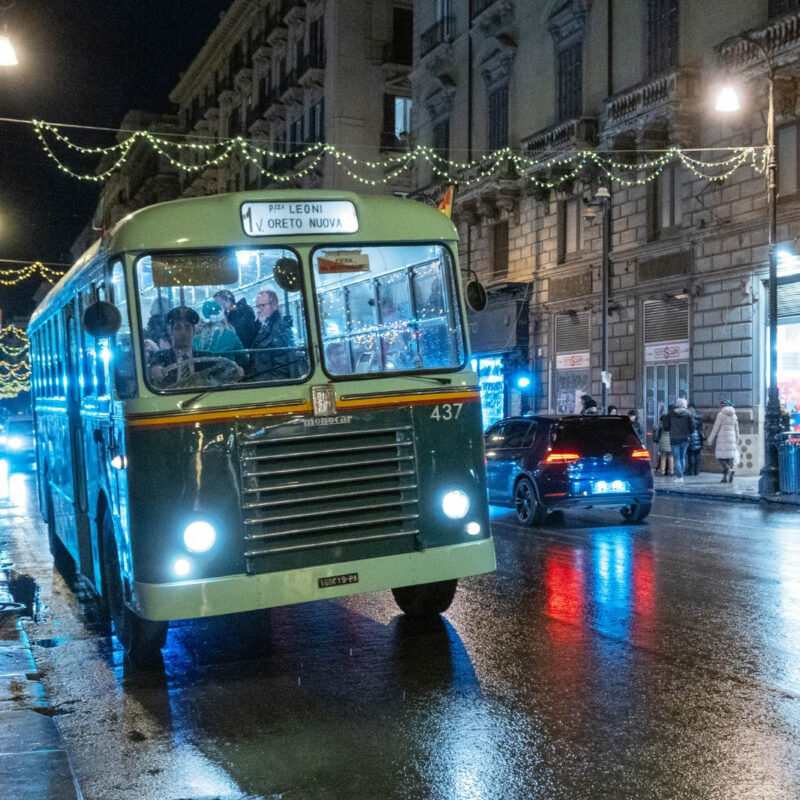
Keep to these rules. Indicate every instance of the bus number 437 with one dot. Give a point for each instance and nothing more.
(446, 411)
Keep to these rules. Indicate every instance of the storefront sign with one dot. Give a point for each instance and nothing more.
(280, 219)
(662, 352)
(573, 360)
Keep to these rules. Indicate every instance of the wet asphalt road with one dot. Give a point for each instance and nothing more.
(601, 660)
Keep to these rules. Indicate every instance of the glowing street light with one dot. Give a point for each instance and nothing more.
(8, 58)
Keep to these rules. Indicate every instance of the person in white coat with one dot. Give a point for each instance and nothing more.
(726, 435)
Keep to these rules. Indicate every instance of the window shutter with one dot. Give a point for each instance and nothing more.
(573, 333)
(666, 321)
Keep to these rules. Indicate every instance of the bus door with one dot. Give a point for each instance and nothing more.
(76, 438)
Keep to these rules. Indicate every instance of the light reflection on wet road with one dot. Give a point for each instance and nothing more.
(600, 660)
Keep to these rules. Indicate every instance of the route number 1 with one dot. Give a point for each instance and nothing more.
(446, 411)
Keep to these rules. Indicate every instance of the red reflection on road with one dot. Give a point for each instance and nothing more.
(644, 595)
(564, 586)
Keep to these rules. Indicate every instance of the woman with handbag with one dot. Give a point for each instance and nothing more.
(661, 438)
(726, 434)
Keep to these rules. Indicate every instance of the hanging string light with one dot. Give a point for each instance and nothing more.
(9, 276)
(194, 157)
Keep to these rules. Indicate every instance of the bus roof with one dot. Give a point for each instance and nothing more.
(214, 221)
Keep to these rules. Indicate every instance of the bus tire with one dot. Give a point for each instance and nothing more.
(62, 560)
(425, 599)
(141, 639)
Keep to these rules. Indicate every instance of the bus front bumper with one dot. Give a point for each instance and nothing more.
(235, 593)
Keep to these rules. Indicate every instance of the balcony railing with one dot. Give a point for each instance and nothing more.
(573, 133)
(778, 39)
(677, 88)
(441, 31)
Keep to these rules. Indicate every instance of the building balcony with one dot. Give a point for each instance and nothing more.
(311, 71)
(779, 38)
(572, 134)
(492, 17)
(669, 102)
(438, 33)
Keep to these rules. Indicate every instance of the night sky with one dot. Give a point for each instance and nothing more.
(83, 62)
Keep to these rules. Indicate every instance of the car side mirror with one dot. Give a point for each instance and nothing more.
(102, 319)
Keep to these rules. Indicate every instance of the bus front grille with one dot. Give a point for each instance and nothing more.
(349, 493)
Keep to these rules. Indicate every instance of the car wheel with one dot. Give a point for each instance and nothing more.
(426, 599)
(637, 511)
(527, 505)
(141, 639)
(62, 560)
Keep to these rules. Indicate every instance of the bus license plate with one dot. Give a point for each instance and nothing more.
(338, 580)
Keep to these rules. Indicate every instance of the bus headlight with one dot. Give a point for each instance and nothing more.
(199, 536)
(455, 504)
(472, 528)
(182, 567)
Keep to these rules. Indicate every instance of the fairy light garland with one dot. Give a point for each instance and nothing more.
(10, 276)
(542, 173)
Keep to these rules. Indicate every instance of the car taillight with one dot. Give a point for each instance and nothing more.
(641, 454)
(561, 458)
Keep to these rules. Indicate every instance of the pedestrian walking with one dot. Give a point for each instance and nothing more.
(726, 434)
(679, 423)
(633, 416)
(589, 405)
(661, 438)
(695, 451)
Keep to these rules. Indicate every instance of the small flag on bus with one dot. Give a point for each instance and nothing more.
(446, 204)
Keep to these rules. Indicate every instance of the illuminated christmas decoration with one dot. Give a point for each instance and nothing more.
(192, 157)
(13, 275)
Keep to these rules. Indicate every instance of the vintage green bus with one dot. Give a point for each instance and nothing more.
(256, 399)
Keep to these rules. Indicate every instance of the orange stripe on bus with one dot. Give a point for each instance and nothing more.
(305, 408)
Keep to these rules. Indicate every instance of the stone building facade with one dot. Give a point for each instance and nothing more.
(688, 257)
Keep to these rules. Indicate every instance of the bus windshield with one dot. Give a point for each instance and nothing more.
(222, 317)
(387, 309)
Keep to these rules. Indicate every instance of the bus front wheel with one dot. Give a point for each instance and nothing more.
(426, 599)
(141, 639)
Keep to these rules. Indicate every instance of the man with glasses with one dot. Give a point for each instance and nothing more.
(272, 348)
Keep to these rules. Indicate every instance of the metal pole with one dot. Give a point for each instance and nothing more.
(768, 481)
(604, 329)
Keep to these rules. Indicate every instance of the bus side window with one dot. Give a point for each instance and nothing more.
(124, 371)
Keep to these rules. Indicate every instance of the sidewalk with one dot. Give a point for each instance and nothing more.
(708, 485)
(33, 762)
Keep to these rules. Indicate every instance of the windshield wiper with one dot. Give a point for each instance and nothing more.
(184, 403)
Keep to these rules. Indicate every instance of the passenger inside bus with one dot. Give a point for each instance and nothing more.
(273, 345)
(181, 365)
(337, 359)
(215, 334)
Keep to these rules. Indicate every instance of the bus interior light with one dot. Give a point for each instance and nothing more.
(182, 567)
(199, 536)
(455, 504)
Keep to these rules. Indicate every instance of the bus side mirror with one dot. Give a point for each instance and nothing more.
(102, 319)
(476, 295)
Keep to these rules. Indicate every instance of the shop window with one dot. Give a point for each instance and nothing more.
(570, 81)
(787, 158)
(498, 117)
(500, 250)
(664, 202)
(570, 228)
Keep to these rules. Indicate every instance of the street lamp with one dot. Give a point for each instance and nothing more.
(602, 201)
(726, 102)
(8, 58)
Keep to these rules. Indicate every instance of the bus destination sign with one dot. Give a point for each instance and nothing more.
(299, 217)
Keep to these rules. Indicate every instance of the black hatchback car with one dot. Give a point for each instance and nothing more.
(542, 463)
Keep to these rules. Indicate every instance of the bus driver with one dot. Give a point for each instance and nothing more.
(181, 365)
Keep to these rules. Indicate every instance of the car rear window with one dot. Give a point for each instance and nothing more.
(595, 436)
(510, 434)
